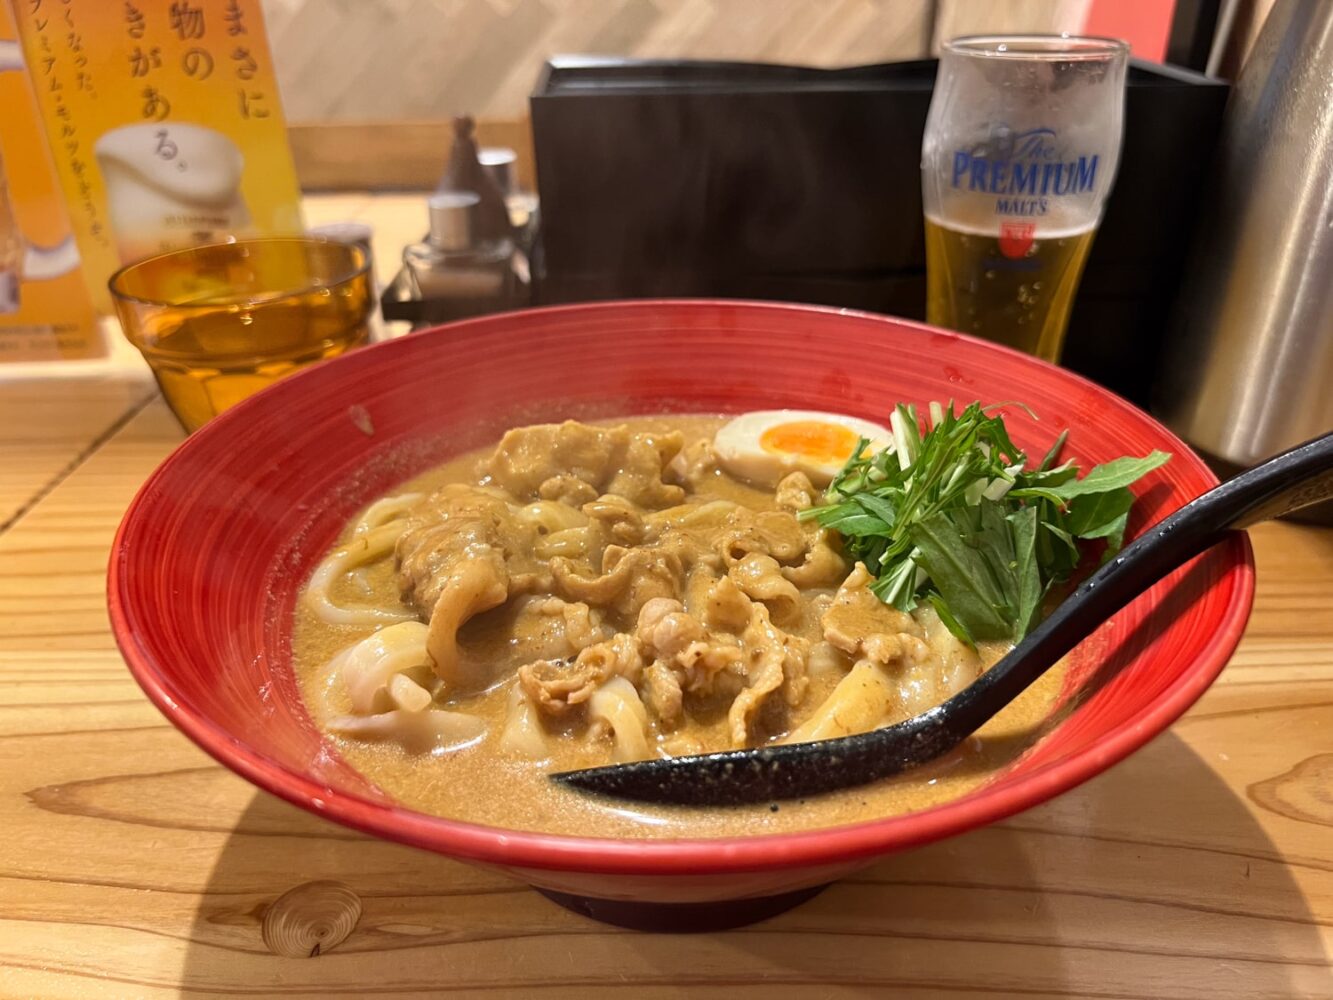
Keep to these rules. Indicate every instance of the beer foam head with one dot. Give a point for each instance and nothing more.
(990, 228)
(186, 163)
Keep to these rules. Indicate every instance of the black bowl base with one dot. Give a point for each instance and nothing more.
(682, 918)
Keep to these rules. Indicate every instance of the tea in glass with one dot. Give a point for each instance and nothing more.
(218, 323)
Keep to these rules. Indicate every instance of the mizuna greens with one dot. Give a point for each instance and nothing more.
(952, 514)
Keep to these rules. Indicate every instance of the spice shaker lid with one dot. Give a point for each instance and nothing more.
(501, 163)
(451, 215)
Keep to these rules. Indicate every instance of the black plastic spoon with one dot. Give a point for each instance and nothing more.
(1292, 480)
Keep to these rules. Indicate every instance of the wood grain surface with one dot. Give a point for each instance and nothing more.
(131, 865)
(42, 436)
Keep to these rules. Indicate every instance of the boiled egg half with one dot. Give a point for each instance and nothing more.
(764, 446)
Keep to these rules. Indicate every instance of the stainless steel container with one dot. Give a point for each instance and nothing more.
(1249, 371)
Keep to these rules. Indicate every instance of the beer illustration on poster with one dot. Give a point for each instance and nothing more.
(1020, 152)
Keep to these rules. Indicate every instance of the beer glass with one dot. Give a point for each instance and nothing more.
(1021, 147)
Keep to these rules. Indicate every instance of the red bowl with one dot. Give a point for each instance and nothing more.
(212, 552)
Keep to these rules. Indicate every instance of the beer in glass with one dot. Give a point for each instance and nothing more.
(1021, 148)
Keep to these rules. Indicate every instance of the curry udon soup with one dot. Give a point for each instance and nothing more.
(585, 594)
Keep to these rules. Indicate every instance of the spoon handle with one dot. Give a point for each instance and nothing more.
(1294, 479)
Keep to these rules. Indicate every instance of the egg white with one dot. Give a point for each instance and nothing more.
(741, 454)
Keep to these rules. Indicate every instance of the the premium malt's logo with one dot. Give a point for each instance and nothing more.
(1024, 170)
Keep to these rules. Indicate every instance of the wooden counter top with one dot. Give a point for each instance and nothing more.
(131, 865)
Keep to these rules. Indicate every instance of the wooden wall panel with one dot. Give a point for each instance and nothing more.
(369, 60)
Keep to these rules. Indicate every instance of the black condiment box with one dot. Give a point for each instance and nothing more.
(748, 180)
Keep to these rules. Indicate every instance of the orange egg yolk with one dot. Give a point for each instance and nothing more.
(811, 439)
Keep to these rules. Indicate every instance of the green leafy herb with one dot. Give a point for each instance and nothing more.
(951, 515)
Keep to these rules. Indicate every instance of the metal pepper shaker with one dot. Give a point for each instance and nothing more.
(1249, 371)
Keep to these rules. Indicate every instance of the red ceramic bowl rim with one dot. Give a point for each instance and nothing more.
(494, 845)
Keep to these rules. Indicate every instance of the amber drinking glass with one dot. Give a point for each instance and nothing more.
(218, 323)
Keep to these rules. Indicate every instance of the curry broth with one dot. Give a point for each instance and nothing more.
(481, 783)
